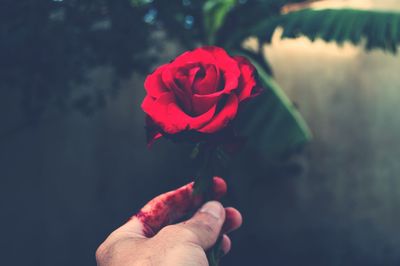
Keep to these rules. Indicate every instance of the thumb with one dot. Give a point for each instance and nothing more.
(205, 226)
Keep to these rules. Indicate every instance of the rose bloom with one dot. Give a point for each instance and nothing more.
(198, 92)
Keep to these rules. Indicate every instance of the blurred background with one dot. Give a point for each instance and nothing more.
(73, 158)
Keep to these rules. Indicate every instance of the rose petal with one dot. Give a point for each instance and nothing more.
(192, 123)
(168, 79)
(157, 109)
(212, 55)
(227, 113)
(207, 84)
(227, 65)
(182, 94)
(147, 103)
(246, 81)
(170, 117)
(201, 103)
(154, 84)
(185, 77)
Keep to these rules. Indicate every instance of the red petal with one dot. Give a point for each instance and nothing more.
(170, 117)
(191, 123)
(247, 81)
(168, 77)
(154, 84)
(147, 103)
(202, 103)
(228, 67)
(227, 113)
(209, 83)
(212, 55)
(185, 77)
(158, 110)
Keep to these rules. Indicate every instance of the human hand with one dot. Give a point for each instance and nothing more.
(151, 237)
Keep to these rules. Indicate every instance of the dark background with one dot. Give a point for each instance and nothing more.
(71, 177)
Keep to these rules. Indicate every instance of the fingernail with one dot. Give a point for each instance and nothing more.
(213, 208)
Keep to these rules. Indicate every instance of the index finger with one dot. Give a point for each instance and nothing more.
(169, 207)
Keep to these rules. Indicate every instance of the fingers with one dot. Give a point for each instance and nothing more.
(204, 227)
(170, 207)
(226, 244)
(233, 220)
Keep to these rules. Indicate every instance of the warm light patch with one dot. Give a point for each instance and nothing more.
(336, 4)
(304, 45)
(357, 4)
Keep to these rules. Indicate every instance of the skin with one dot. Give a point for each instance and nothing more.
(155, 237)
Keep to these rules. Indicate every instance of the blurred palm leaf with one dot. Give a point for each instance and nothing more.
(379, 29)
(214, 12)
(273, 122)
(246, 15)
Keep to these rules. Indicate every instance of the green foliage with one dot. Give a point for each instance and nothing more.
(379, 29)
(272, 121)
(245, 16)
(215, 12)
(139, 3)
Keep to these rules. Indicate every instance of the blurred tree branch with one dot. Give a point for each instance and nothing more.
(49, 46)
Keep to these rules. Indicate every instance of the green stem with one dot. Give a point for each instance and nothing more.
(214, 254)
(204, 179)
(203, 186)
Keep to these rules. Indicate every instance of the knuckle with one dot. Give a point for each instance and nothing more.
(168, 230)
(187, 233)
(182, 232)
(178, 231)
(171, 233)
(207, 227)
(106, 251)
(101, 252)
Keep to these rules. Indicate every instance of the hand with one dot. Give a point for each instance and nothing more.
(151, 238)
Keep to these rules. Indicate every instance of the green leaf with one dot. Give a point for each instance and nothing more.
(138, 3)
(271, 121)
(214, 12)
(379, 29)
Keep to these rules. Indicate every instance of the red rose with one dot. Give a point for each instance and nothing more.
(200, 91)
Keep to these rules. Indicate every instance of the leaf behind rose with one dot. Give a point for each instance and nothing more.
(214, 12)
(270, 121)
(378, 29)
